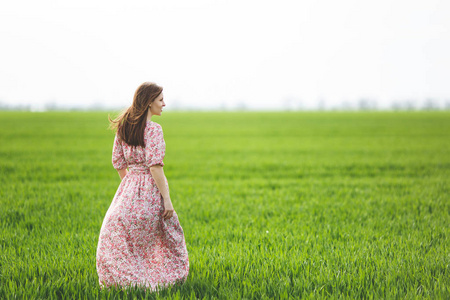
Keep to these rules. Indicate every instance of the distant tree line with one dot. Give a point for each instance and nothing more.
(291, 104)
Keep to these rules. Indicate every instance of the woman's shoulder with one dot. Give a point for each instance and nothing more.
(153, 125)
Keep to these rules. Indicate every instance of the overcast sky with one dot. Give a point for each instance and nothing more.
(213, 54)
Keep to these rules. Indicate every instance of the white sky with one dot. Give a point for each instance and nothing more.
(211, 54)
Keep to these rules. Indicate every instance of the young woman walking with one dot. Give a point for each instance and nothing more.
(141, 241)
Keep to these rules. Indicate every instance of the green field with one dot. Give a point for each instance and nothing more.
(273, 205)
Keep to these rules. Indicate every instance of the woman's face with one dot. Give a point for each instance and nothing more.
(157, 105)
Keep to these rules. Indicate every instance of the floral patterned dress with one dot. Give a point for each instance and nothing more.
(136, 246)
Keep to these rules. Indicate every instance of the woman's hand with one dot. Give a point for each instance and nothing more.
(161, 182)
(168, 209)
(122, 173)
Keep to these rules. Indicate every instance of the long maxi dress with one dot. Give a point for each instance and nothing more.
(136, 246)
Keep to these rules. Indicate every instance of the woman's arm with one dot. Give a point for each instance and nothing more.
(160, 180)
(122, 173)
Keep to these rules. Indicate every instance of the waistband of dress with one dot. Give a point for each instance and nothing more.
(139, 170)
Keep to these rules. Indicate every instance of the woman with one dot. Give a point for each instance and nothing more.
(141, 242)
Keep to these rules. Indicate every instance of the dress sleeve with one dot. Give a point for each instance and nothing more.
(155, 147)
(118, 158)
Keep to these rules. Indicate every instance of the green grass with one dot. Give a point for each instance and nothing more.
(273, 205)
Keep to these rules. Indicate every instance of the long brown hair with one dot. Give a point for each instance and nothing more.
(130, 124)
